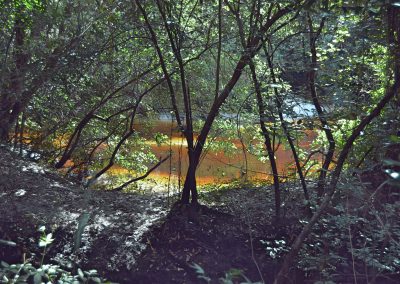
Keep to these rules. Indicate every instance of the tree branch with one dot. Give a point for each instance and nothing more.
(121, 187)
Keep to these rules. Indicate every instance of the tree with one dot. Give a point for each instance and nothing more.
(392, 90)
(273, 14)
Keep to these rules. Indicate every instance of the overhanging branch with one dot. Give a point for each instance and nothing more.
(121, 187)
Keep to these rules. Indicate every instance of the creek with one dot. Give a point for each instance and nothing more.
(216, 166)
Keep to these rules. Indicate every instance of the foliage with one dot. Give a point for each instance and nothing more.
(27, 272)
(81, 82)
(351, 234)
(232, 276)
(359, 235)
(201, 274)
(101, 73)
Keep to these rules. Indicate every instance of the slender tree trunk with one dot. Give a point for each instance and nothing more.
(218, 68)
(267, 140)
(252, 47)
(9, 112)
(10, 100)
(21, 132)
(265, 132)
(73, 140)
(286, 130)
(393, 38)
(190, 186)
(243, 172)
(321, 115)
(16, 134)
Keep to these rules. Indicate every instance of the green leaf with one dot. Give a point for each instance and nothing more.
(201, 274)
(8, 243)
(45, 240)
(96, 279)
(394, 138)
(389, 162)
(80, 273)
(234, 272)
(4, 264)
(198, 268)
(83, 220)
(37, 279)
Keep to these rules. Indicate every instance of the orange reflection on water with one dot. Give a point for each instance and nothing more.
(215, 167)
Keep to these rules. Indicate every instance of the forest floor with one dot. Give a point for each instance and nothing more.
(131, 238)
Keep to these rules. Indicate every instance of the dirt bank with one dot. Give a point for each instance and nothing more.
(129, 237)
(32, 196)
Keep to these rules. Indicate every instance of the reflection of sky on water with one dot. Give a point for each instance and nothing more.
(217, 167)
(293, 109)
(300, 109)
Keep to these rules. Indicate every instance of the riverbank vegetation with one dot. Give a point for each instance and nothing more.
(293, 103)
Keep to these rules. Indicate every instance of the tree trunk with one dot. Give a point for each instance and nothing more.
(321, 115)
(267, 140)
(10, 105)
(251, 49)
(286, 130)
(190, 186)
(73, 140)
(9, 112)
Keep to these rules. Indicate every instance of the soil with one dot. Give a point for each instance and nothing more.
(219, 240)
(131, 237)
(32, 196)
